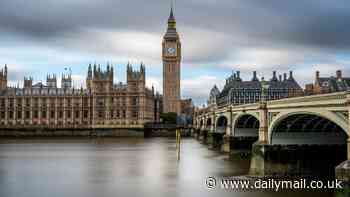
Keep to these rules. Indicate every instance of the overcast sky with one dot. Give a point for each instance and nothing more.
(44, 36)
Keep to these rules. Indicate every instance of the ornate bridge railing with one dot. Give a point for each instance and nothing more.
(220, 130)
(207, 128)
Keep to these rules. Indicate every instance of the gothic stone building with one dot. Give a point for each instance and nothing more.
(238, 92)
(330, 84)
(102, 104)
(171, 53)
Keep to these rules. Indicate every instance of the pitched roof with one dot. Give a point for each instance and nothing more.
(273, 84)
(334, 84)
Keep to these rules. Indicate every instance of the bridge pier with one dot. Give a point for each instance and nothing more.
(263, 126)
(209, 138)
(295, 160)
(342, 171)
(226, 146)
(232, 144)
(227, 138)
(215, 140)
(195, 133)
(203, 135)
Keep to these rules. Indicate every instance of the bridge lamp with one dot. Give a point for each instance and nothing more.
(264, 86)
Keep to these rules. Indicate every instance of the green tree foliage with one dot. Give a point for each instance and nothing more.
(168, 118)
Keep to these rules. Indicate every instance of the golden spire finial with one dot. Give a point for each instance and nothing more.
(171, 20)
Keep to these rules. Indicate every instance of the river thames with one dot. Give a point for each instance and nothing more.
(109, 167)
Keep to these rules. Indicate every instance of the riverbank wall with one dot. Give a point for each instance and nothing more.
(115, 132)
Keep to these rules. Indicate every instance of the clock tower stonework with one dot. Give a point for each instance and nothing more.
(171, 53)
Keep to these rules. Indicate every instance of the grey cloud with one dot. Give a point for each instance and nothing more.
(213, 32)
(317, 23)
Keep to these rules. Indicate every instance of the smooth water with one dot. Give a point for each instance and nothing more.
(122, 167)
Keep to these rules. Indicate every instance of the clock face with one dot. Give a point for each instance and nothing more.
(171, 50)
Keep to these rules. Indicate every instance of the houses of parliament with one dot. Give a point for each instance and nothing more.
(102, 104)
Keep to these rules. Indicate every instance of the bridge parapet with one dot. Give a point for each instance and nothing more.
(221, 130)
(207, 128)
(245, 107)
(338, 98)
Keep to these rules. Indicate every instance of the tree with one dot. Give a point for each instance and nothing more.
(168, 118)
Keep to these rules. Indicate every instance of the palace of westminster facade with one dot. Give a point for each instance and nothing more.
(102, 104)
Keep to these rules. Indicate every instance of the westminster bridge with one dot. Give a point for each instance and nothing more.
(292, 135)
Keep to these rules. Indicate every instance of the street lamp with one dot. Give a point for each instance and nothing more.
(264, 90)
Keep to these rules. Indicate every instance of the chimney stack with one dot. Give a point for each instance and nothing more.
(255, 78)
(290, 75)
(274, 77)
(339, 74)
(238, 74)
(284, 76)
(280, 77)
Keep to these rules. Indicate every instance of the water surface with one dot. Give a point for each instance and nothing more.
(122, 167)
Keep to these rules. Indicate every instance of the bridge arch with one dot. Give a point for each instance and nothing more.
(314, 121)
(221, 124)
(201, 123)
(209, 122)
(222, 121)
(246, 124)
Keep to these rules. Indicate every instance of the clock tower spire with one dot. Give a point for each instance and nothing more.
(171, 54)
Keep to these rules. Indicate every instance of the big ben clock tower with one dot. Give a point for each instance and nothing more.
(171, 52)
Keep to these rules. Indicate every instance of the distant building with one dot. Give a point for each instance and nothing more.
(187, 107)
(187, 111)
(214, 93)
(238, 92)
(158, 107)
(323, 85)
(102, 104)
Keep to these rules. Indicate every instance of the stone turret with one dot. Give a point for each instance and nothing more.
(134, 74)
(99, 80)
(3, 78)
(66, 81)
(28, 82)
(89, 77)
(99, 74)
(5, 71)
(136, 80)
(51, 81)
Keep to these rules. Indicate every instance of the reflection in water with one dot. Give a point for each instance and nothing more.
(115, 167)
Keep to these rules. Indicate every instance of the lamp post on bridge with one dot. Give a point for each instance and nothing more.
(228, 134)
(263, 129)
(264, 90)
